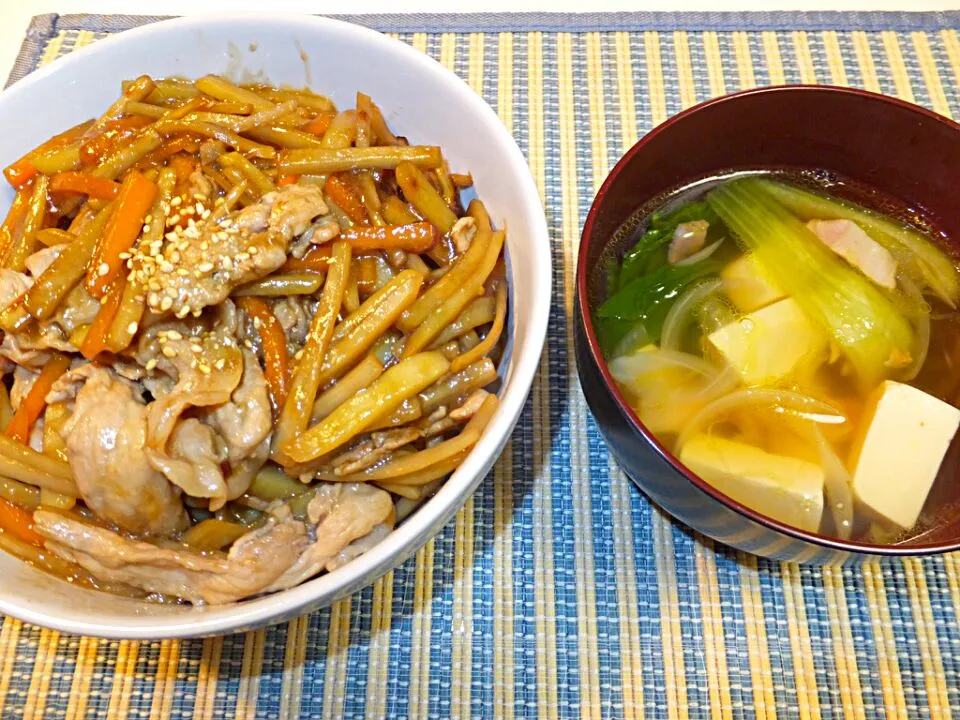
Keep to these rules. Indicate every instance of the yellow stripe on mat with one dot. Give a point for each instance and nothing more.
(952, 46)
(925, 629)
(124, 674)
(36, 703)
(207, 676)
(9, 636)
(544, 590)
(711, 49)
(884, 643)
(771, 50)
(805, 678)
(420, 636)
(801, 47)
(868, 69)
(338, 647)
(248, 690)
(503, 655)
(831, 45)
(715, 652)
(755, 626)
(741, 51)
(378, 662)
(165, 684)
(631, 663)
(681, 51)
(589, 659)
(674, 672)
(844, 651)
(294, 655)
(898, 69)
(461, 672)
(931, 77)
(82, 672)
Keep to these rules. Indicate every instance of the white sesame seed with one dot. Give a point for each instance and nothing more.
(248, 344)
(219, 364)
(171, 236)
(167, 267)
(146, 227)
(148, 218)
(205, 267)
(166, 304)
(198, 207)
(298, 354)
(151, 364)
(176, 201)
(204, 246)
(173, 219)
(124, 256)
(183, 272)
(253, 250)
(171, 292)
(132, 328)
(169, 352)
(196, 347)
(257, 323)
(205, 214)
(174, 335)
(103, 269)
(153, 298)
(205, 369)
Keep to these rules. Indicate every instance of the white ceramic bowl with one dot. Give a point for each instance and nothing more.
(421, 100)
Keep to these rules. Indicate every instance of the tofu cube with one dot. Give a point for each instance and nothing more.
(784, 488)
(768, 344)
(902, 439)
(747, 285)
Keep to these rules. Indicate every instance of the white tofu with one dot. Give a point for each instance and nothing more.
(768, 344)
(903, 437)
(747, 285)
(784, 488)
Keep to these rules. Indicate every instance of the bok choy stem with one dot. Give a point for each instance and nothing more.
(865, 323)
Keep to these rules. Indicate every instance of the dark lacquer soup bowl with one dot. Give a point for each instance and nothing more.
(906, 153)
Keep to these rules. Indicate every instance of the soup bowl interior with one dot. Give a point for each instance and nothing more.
(422, 101)
(882, 147)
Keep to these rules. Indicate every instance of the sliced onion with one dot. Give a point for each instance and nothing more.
(786, 401)
(681, 314)
(701, 254)
(627, 368)
(921, 326)
(837, 485)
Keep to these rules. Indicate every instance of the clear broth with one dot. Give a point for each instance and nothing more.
(939, 375)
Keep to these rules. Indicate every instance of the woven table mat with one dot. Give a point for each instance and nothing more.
(559, 591)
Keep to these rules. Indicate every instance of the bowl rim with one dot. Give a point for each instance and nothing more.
(435, 513)
(582, 307)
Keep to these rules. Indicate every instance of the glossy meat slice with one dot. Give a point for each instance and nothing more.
(254, 562)
(215, 454)
(201, 264)
(342, 513)
(106, 437)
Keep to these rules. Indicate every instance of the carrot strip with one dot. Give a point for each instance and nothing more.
(80, 182)
(20, 173)
(11, 227)
(98, 334)
(346, 197)
(274, 343)
(316, 259)
(33, 404)
(131, 207)
(19, 523)
(287, 179)
(415, 237)
(319, 125)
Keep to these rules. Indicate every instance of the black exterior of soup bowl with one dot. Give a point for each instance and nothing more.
(907, 153)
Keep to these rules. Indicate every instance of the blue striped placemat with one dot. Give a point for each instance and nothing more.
(559, 591)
